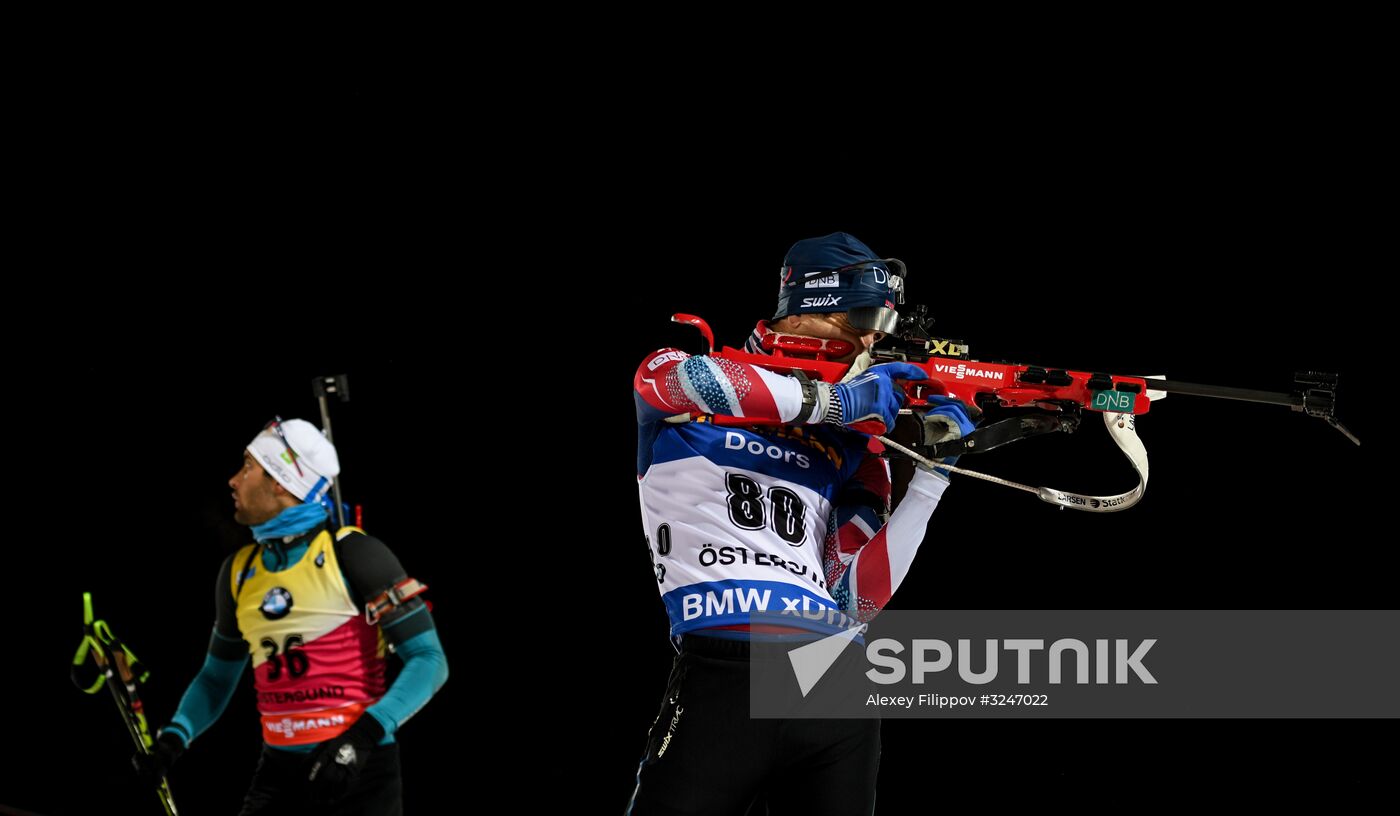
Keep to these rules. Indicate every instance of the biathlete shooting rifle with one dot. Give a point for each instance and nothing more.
(1029, 400)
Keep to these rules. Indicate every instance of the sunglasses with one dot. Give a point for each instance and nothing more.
(276, 425)
(844, 321)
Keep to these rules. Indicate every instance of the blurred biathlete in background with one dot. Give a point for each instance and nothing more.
(317, 610)
(800, 511)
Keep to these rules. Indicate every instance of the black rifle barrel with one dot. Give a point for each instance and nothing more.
(1226, 392)
(1317, 396)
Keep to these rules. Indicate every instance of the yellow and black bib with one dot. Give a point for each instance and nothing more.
(317, 664)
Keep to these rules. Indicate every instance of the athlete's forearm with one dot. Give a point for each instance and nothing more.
(424, 672)
(207, 696)
(670, 382)
(864, 584)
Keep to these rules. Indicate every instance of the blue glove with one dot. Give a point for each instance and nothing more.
(947, 419)
(870, 401)
(951, 416)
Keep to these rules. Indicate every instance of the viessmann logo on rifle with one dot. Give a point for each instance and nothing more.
(961, 371)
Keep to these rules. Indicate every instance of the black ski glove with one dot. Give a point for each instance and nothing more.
(336, 764)
(153, 767)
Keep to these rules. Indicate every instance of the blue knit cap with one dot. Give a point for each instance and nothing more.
(838, 273)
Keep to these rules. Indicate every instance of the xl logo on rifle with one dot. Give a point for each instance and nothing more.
(1113, 401)
(946, 348)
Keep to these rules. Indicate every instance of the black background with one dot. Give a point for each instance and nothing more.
(490, 307)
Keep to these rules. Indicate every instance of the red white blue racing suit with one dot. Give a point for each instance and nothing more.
(763, 518)
(791, 518)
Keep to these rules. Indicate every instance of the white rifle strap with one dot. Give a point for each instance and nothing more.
(1122, 428)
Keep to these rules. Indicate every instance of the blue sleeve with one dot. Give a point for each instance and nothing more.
(207, 696)
(424, 672)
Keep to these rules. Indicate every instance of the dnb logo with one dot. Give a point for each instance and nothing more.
(276, 603)
(1113, 401)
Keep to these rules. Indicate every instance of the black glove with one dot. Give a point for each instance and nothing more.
(153, 767)
(336, 763)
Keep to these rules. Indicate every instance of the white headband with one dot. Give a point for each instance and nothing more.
(307, 469)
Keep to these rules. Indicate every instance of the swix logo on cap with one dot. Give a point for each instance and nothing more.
(828, 282)
(812, 302)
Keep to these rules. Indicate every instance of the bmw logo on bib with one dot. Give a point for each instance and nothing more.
(276, 603)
